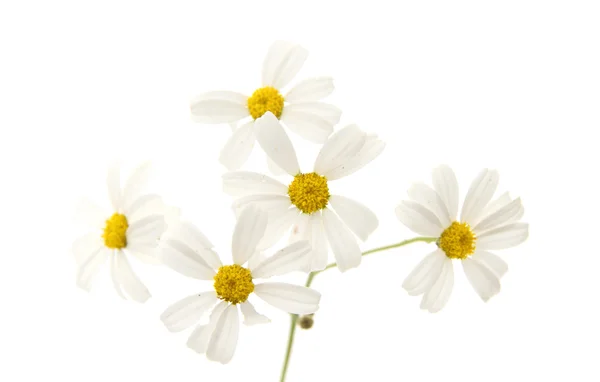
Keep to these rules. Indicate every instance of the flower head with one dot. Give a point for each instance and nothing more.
(133, 227)
(186, 250)
(306, 202)
(484, 225)
(299, 109)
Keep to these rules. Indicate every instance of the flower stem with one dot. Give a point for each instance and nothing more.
(290, 343)
(311, 277)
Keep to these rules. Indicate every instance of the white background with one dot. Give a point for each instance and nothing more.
(511, 85)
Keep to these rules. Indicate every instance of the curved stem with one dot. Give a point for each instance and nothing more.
(311, 277)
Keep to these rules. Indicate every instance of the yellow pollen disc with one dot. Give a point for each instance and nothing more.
(233, 283)
(309, 192)
(458, 241)
(114, 232)
(263, 100)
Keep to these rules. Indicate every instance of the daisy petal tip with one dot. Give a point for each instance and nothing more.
(193, 347)
(260, 321)
(143, 298)
(348, 267)
(488, 297)
(83, 287)
(434, 310)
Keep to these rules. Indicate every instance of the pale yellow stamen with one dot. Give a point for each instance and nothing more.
(233, 283)
(309, 192)
(458, 241)
(114, 233)
(263, 100)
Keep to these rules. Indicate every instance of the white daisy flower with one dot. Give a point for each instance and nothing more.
(306, 201)
(483, 226)
(299, 109)
(133, 227)
(186, 250)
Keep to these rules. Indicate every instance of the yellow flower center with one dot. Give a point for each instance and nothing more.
(114, 232)
(263, 100)
(309, 192)
(233, 283)
(458, 241)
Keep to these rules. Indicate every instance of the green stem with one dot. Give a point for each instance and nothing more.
(290, 343)
(312, 275)
(310, 279)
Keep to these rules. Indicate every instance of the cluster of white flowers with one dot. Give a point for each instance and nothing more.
(142, 226)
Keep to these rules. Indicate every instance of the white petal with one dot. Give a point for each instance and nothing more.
(251, 316)
(480, 193)
(273, 168)
(114, 273)
(311, 89)
(223, 340)
(289, 259)
(368, 152)
(151, 257)
(219, 107)
(342, 242)
(313, 121)
(503, 237)
(446, 291)
(427, 197)
(329, 113)
(361, 220)
(90, 214)
(314, 232)
(128, 280)
(191, 235)
(318, 240)
(491, 261)
(340, 146)
(86, 246)
(300, 228)
(186, 312)
(88, 269)
(270, 203)
(238, 148)
(310, 228)
(279, 224)
(242, 183)
(437, 296)
(135, 184)
(200, 337)
(113, 183)
(446, 185)
(496, 204)
(144, 206)
(146, 252)
(419, 219)
(431, 295)
(275, 143)
(425, 273)
(282, 63)
(183, 259)
(147, 229)
(483, 280)
(290, 298)
(500, 217)
(249, 231)
(257, 258)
